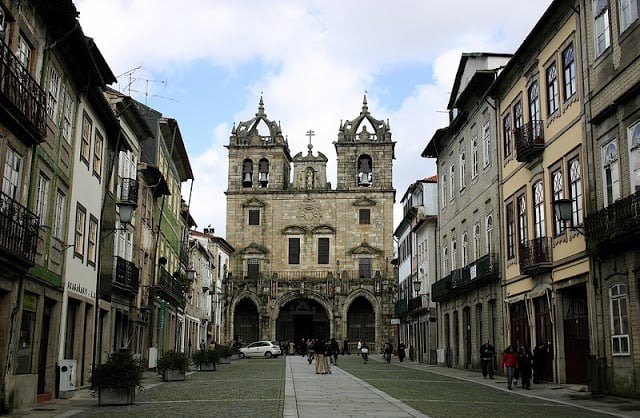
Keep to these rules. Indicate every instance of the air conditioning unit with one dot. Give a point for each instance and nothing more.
(67, 371)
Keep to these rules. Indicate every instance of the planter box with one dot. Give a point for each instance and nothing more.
(170, 375)
(225, 360)
(235, 356)
(207, 367)
(116, 396)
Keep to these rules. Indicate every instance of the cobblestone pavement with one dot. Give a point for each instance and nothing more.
(290, 388)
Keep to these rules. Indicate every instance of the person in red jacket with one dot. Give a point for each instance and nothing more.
(510, 362)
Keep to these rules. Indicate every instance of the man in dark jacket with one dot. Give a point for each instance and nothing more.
(486, 359)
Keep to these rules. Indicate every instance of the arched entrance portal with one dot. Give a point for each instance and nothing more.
(361, 321)
(302, 318)
(245, 321)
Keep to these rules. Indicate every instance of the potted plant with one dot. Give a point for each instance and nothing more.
(173, 365)
(115, 381)
(206, 359)
(224, 352)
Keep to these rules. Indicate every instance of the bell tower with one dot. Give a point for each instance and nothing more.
(365, 153)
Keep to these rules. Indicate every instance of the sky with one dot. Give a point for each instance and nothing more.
(206, 63)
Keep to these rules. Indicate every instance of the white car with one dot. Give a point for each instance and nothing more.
(265, 349)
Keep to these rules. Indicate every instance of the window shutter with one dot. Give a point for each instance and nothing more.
(323, 250)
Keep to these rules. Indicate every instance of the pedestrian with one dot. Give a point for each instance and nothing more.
(387, 350)
(487, 351)
(327, 357)
(311, 349)
(335, 350)
(525, 361)
(318, 351)
(401, 351)
(364, 351)
(345, 347)
(359, 347)
(540, 354)
(292, 347)
(203, 345)
(510, 362)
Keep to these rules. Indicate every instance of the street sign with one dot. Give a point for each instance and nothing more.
(395, 321)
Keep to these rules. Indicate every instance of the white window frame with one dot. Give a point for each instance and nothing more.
(628, 12)
(619, 314)
(633, 141)
(59, 217)
(486, 144)
(601, 27)
(463, 170)
(12, 173)
(452, 182)
(476, 241)
(489, 232)
(474, 156)
(575, 190)
(610, 173)
(553, 92)
(539, 228)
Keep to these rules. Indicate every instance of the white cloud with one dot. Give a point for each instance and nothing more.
(316, 59)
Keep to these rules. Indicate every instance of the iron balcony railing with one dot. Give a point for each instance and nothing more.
(529, 140)
(171, 287)
(184, 253)
(18, 230)
(617, 224)
(401, 308)
(534, 256)
(486, 267)
(129, 191)
(440, 289)
(126, 274)
(22, 92)
(469, 277)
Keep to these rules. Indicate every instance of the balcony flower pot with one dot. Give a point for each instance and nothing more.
(173, 366)
(206, 360)
(115, 381)
(224, 353)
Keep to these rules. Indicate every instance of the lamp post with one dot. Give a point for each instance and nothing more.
(417, 285)
(563, 211)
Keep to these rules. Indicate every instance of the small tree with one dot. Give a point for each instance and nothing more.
(173, 360)
(121, 370)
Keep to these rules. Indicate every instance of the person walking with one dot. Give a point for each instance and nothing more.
(318, 348)
(335, 350)
(387, 350)
(487, 351)
(401, 351)
(525, 362)
(359, 347)
(345, 347)
(510, 362)
(364, 351)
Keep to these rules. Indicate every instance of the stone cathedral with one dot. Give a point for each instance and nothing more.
(310, 260)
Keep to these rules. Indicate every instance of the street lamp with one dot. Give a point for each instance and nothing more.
(416, 286)
(563, 211)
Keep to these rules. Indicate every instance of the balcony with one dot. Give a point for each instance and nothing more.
(534, 256)
(418, 304)
(529, 141)
(614, 227)
(126, 275)
(440, 289)
(472, 276)
(401, 308)
(169, 287)
(18, 232)
(129, 191)
(22, 101)
(486, 268)
(184, 253)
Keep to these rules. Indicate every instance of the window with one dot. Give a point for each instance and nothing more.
(247, 173)
(633, 139)
(97, 154)
(12, 173)
(254, 216)
(444, 190)
(628, 13)
(534, 105)
(474, 156)
(558, 193)
(445, 260)
(476, 241)
(569, 70)
(465, 249)
(24, 53)
(522, 219)
(553, 94)
(364, 268)
(601, 26)
(67, 119)
(263, 172)
(52, 93)
(575, 191)
(619, 319)
(463, 170)
(511, 242)
(294, 250)
(58, 221)
(364, 216)
(42, 199)
(27, 334)
(506, 133)
(87, 126)
(452, 182)
(518, 119)
(486, 144)
(78, 241)
(610, 173)
(538, 210)
(253, 268)
(454, 254)
(365, 171)
(323, 250)
(93, 239)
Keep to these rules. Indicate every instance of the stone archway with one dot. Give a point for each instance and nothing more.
(245, 321)
(302, 318)
(361, 320)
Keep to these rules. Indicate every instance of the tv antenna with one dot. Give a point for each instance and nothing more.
(131, 79)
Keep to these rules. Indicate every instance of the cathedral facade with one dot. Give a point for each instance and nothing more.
(310, 260)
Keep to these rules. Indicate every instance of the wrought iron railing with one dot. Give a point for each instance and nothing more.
(126, 274)
(171, 286)
(534, 255)
(440, 289)
(401, 307)
(616, 222)
(529, 140)
(129, 191)
(486, 266)
(18, 229)
(184, 253)
(22, 91)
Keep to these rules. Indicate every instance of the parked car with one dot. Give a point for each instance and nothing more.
(260, 349)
